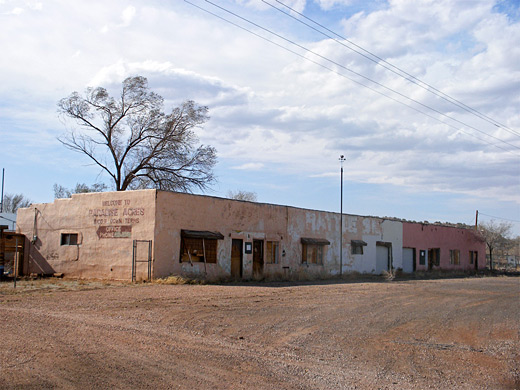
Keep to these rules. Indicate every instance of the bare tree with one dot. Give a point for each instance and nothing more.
(81, 188)
(496, 236)
(135, 143)
(242, 195)
(12, 202)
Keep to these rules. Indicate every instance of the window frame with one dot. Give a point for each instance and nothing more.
(314, 247)
(202, 245)
(473, 257)
(69, 239)
(356, 247)
(455, 256)
(198, 250)
(437, 257)
(272, 252)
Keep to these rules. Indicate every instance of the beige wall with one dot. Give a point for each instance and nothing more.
(249, 221)
(106, 225)
(233, 219)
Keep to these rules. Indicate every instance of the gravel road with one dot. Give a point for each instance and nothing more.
(441, 334)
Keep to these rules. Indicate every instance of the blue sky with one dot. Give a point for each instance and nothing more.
(279, 121)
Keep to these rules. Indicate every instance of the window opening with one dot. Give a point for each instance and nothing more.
(434, 256)
(454, 256)
(312, 250)
(473, 256)
(271, 256)
(357, 247)
(197, 250)
(69, 238)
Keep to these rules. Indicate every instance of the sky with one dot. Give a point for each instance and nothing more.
(284, 107)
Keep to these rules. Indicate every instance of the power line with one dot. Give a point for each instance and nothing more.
(493, 216)
(348, 78)
(356, 73)
(392, 68)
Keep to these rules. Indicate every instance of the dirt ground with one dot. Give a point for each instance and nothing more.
(442, 334)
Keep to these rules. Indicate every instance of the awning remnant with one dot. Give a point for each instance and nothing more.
(202, 234)
(315, 241)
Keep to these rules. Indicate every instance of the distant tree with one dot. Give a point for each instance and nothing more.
(242, 195)
(496, 236)
(135, 143)
(11, 203)
(63, 192)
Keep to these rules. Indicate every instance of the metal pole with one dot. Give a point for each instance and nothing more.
(341, 159)
(476, 221)
(2, 198)
(15, 262)
(133, 259)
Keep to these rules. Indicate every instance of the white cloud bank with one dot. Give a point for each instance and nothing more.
(269, 107)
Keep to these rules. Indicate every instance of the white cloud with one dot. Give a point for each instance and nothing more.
(128, 15)
(249, 167)
(273, 108)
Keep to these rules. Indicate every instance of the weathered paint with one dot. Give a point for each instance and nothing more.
(427, 236)
(107, 224)
(84, 214)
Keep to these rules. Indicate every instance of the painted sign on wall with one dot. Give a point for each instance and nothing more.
(124, 231)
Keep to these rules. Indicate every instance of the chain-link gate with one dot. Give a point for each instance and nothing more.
(142, 255)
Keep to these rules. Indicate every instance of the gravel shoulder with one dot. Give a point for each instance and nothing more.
(449, 333)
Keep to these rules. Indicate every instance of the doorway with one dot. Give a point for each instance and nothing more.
(408, 260)
(236, 258)
(381, 259)
(383, 256)
(258, 258)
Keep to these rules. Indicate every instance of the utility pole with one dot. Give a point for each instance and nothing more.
(341, 159)
(476, 221)
(2, 198)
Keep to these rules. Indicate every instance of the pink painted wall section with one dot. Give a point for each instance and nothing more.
(426, 236)
(105, 224)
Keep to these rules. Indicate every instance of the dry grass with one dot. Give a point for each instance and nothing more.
(45, 285)
(175, 279)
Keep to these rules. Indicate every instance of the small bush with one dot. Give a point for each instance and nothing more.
(176, 279)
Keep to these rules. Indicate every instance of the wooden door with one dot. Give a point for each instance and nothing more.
(236, 259)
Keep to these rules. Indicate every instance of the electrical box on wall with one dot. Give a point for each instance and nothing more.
(249, 248)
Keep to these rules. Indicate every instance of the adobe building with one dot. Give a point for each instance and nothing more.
(151, 234)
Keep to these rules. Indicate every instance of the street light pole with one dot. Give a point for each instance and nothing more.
(2, 197)
(341, 159)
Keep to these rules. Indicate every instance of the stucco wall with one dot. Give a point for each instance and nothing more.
(249, 221)
(106, 225)
(424, 236)
(233, 219)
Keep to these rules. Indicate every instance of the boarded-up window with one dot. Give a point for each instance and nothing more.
(357, 247)
(272, 250)
(199, 246)
(313, 254)
(454, 256)
(69, 238)
(312, 250)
